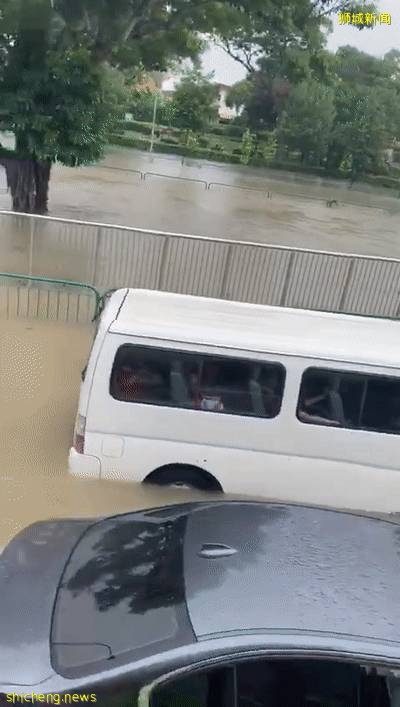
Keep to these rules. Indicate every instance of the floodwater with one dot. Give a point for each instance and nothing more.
(365, 221)
(40, 364)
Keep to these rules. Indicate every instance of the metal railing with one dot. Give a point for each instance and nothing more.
(47, 298)
(178, 178)
(109, 257)
(265, 192)
(389, 201)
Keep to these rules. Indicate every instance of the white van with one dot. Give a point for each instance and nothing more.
(243, 398)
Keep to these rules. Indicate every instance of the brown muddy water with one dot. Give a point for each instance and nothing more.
(365, 221)
(40, 363)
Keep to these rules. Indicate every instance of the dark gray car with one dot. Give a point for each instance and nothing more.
(125, 602)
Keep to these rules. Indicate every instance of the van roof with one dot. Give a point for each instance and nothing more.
(251, 327)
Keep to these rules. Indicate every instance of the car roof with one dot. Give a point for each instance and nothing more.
(293, 569)
(158, 589)
(240, 567)
(186, 319)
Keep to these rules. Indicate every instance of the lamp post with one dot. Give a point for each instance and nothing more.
(153, 127)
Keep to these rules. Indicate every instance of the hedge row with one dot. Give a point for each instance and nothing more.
(218, 156)
(382, 181)
(146, 128)
(136, 126)
(169, 148)
(295, 167)
(125, 141)
(215, 155)
(233, 131)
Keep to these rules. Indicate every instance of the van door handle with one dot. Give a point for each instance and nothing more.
(213, 551)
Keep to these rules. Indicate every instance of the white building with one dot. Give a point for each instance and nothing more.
(169, 86)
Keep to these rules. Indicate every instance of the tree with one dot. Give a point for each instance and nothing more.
(306, 121)
(239, 93)
(72, 130)
(367, 111)
(141, 105)
(53, 74)
(280, 46)
(195, 102)
(358, 134)
(275, 27)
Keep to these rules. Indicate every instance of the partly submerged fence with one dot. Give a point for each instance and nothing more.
(47, 298)
(109, 257)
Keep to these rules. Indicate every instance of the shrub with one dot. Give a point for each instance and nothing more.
(127, 141)
(248, 146)
(224, 157)
(234, 131)
(216, 130)
(296, 167)
(195, 152)
(142, 107)
(136, 126)
(203, 142)
(171, 149)
(382, 181)
(169, 139)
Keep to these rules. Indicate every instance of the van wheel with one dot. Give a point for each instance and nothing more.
(185, 477)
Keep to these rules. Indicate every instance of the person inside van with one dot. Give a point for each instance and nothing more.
(271, 384)
(203, 382)
(140, 383)
(320, 403)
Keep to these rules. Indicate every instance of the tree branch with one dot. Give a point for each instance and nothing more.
(147, 9)
(245, 60)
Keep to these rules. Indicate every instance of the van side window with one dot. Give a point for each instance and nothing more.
(195, 381)
(350, 400)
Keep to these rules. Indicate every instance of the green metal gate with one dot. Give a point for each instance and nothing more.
(32, 297)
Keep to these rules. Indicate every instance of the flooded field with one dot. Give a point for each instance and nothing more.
(40, 364)
(364, 221)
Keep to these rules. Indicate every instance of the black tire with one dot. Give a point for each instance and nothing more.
(184, 476)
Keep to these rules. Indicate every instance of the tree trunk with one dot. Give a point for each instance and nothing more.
(28, 181)
(42, 179)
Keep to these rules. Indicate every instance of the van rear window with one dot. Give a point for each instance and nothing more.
(350, 400)
(197, 381)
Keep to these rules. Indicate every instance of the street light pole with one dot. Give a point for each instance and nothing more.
(153, 127)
